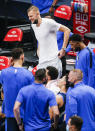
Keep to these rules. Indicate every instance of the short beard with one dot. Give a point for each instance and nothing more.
(35, 22)
(77, 49)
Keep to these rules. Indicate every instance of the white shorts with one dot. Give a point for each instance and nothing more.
(55, 63)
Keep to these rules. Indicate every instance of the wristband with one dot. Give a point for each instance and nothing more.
(64, 48)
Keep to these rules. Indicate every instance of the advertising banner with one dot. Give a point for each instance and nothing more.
(81, 16)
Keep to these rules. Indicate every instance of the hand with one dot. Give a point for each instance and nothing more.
(61, 53)
(21, 127)
(53, 126)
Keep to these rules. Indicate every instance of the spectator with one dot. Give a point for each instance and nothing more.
(43, 6)
(61, 96)
(45, 31)
(63, 21)
(52, 79)
(36, 99)
(80, 100)
(57, 3)
(74, 123)
(12, 80)
(84, 59)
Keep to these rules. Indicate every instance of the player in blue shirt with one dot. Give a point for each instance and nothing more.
(80, 100)
(85, 59)
(36, 100)
(12, 80)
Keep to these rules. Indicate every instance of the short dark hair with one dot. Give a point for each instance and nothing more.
(16, 53)
(77, 121)
(52, 72)
(76, 38)
(40, 74)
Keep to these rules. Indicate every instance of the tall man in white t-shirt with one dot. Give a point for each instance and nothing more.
(45, 31)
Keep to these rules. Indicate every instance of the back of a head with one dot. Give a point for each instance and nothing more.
(40, 74)
(16, 53)
(77, 122)
(32, 8)
(52, 72)
(78, 74)
(76, 38)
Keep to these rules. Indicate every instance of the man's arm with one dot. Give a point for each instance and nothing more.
(55, 115)
(52, 6)
(17, 115)
(60, 103)
(54, 2)
(66, 31)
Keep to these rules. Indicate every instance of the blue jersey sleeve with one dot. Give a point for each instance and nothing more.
(1, 77)
(52, 99)
(20, 97)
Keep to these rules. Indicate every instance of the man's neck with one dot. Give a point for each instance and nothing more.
(63, 89)
(82, 45)
(17, 63)
(38, 82)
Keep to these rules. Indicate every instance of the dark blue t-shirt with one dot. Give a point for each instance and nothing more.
(36, 99)
(80, 101)
(12, 80)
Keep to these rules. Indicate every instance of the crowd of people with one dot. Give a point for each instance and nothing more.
(48, 101)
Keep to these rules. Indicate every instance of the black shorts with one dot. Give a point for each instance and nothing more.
(12, 124)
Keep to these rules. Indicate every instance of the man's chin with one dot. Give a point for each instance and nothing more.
(35, 22)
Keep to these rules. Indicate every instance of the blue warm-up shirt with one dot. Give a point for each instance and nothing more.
(91, 74)
(43, 5)
(83, 60)
(36, 99)
(12, 80)
(80, 101)
(83, 63)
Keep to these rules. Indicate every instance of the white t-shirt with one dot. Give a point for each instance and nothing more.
(53, 86)
(47, 40)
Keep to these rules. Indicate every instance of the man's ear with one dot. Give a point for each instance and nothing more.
(49, 78)
(11, 61)
(22, 57)
(78, 44)
(73, 128)
(38, 13)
